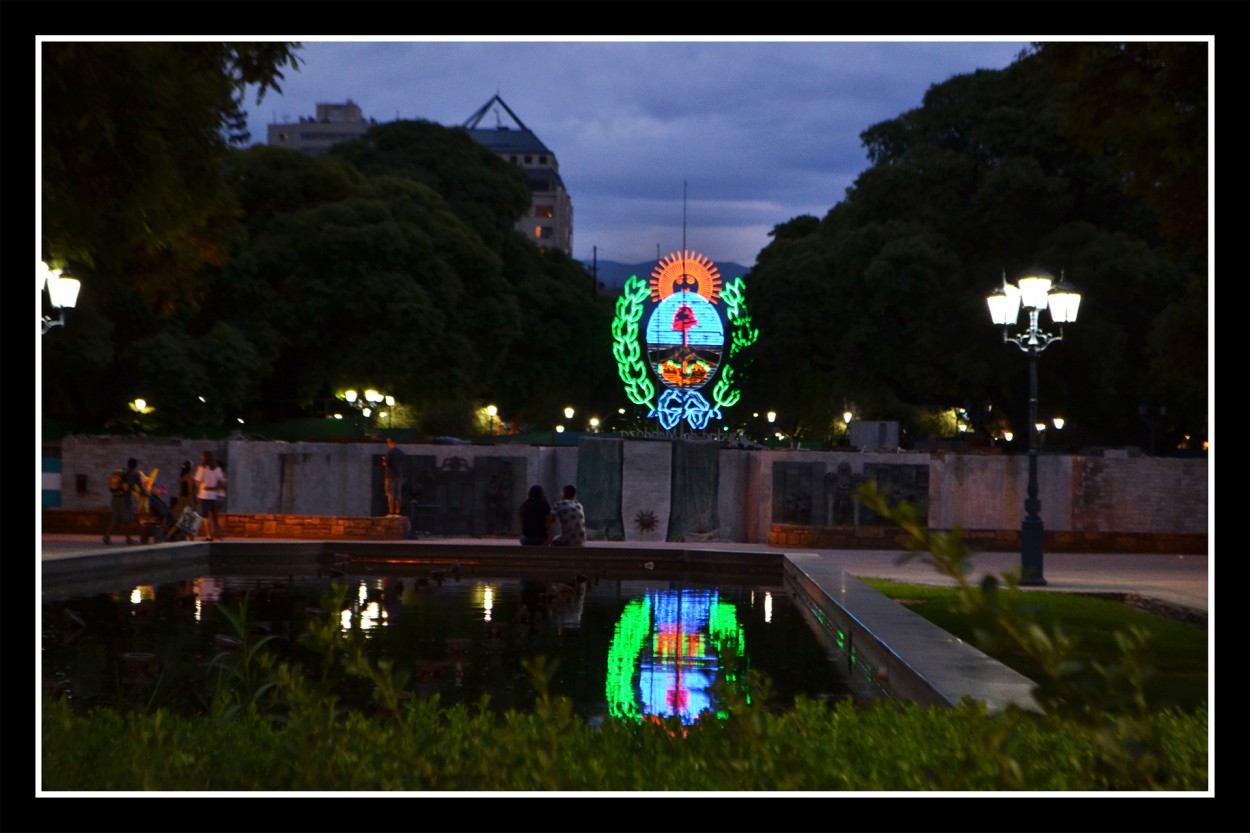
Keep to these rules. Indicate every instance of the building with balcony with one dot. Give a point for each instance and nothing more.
(549, 221)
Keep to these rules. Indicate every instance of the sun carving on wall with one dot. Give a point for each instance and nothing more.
(646, 521)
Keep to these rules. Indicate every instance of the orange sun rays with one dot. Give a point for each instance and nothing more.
(685, 272)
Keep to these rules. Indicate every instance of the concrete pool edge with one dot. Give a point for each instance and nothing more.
(894, 652)
(897, 653)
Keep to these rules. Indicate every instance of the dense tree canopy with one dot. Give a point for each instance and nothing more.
(882, 303)
(133, 138)
(340, 278)
(486, 193)
(256, 283)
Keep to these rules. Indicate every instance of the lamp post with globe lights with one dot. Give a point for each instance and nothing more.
(1034, 291)
(62, 294)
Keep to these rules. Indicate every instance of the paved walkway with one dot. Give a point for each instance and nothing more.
(1180, 580)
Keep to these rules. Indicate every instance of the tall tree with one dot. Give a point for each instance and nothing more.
(882, 304)
(481, 189)
(133, 139)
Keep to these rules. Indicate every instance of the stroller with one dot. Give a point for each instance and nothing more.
(165, 527)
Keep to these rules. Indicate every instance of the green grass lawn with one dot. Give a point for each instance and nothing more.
(1177, 652)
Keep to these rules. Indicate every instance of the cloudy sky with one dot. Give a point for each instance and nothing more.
(755, 132)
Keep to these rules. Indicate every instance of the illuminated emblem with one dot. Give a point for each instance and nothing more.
(685, 338)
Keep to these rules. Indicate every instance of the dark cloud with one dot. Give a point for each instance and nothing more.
(760, 132)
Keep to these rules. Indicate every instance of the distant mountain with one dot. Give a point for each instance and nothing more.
(614, 274)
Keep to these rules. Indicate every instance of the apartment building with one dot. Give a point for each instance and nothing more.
(334, 123)
(549, 222)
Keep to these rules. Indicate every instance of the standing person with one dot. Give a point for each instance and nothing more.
(572, 520)
(186, 484)
(125, 486)
(393, 462)
(211, 481)
(534, 512)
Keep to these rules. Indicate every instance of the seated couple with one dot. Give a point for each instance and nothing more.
(538, 520)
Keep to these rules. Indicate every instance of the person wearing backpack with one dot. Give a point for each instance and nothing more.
(212, 488)
(125, 486)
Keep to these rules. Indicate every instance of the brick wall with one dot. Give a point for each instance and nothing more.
(989, 540)
(305, 527)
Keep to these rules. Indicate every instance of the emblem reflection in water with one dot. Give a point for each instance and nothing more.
(668, 650)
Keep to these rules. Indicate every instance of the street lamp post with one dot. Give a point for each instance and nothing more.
(1035, 291)
(371, 401)
(62, 294)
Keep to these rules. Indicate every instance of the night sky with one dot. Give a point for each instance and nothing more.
(754, 132)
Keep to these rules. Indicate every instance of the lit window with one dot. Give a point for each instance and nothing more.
(543, 211)
(544, 232)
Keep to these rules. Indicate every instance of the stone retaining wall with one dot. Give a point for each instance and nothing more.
(1088, 503)
(988, 540)
(302, 527)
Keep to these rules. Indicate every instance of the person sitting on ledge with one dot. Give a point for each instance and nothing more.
(534, 512)
(572, 520)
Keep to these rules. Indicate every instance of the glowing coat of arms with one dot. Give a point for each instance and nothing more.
(685, 339)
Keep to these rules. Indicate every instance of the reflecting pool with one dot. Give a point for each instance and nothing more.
(637, 648)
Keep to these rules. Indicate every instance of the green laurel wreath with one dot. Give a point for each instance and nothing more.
(742, 335)
(625, 349)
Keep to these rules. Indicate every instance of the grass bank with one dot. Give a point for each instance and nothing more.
(1176, 652)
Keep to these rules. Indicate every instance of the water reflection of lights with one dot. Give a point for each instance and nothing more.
(768, 607)
(142, 593)
(345, 620)
(371, 616)
(488, 601)
(362, 595)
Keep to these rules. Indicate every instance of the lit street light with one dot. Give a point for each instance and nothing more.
(62, 294)
(371, 401)
(1034, 291)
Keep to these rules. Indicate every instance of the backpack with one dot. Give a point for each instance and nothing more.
(117, 483)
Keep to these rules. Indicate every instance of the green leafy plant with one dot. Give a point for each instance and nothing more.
(1105, 699)
(241, 675)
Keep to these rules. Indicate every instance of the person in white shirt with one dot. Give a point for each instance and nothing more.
(211, 481)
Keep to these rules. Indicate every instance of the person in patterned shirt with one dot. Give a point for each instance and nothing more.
(572, 520)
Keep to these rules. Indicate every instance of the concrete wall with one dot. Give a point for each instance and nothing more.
(92, 460)
(287, 478)
(971, 491)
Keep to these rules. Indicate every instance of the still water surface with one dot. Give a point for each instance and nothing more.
(626, 647)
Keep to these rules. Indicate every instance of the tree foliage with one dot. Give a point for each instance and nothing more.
(881, 302)
(338, 278)
(133, 139)
(486, 193)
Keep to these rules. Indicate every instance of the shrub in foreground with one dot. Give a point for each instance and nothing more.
(884, 747)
